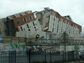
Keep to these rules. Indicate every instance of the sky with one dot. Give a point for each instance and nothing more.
(74, 8)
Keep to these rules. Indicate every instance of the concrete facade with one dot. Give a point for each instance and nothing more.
(58, 24)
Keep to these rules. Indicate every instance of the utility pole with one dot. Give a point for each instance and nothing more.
(64, 36)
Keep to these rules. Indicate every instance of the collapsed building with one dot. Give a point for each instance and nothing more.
(46, 23)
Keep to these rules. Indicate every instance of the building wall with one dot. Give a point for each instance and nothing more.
(59, 27)
(30, 30)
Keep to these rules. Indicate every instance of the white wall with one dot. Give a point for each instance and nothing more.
(34, 30)
(71, 48)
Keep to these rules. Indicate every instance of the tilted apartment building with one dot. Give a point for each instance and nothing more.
(53, 22)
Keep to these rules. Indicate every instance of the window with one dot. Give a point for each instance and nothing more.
(75, 26)
(18, 21)
(25, 19)
(54, 18)
(21, 28)
(69, 23)
(65, 21)
(72, 24)
(33, 24)
(61, 20)
(54, 13)
(28, 29)
(27, 26)
(35, 28)
(38, 19)
(30, 17)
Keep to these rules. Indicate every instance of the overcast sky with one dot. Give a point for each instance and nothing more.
(74, 8)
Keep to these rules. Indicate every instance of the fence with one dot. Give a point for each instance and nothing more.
(41, 56)
(32, 57)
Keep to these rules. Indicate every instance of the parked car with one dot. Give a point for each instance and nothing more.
(81, 53)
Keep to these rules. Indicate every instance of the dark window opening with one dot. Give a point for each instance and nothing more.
(57, 27)
(33, 24)
(35, 28)
(30, 17)
(25, 19)
(18, 21)
(72, 24)
(21, 29)
(28, 29)
(27, 25)
(38, 19)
